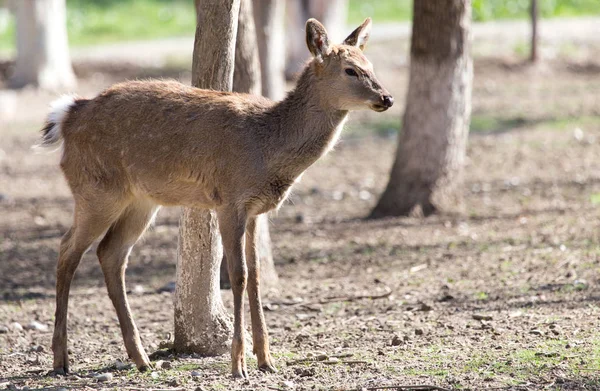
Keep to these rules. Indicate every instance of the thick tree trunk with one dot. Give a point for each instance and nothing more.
(201, 323)
(332, 13)
(427, 173)
(534, 30)
(268, 19)
(246, 78)
(42, 46)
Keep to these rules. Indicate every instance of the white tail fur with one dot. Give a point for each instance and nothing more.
(52, 132)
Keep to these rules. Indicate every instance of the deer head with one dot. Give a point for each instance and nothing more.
(345, 76)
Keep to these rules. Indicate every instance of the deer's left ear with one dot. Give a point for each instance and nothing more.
(360, 36)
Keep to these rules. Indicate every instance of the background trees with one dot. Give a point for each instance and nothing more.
(201, 323)
(427, 171)
(42, 45)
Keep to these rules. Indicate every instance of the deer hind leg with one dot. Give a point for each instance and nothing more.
(88, 226)
(260, 337)
(232, 225)
(113, 253)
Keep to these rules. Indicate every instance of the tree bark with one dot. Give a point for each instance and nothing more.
(201, 323)
(43, 58)
(534, 30)
(268, 19)
(427, 173)
(246, 75)
(246, 79)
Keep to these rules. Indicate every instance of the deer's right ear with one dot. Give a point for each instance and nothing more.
(316, 38)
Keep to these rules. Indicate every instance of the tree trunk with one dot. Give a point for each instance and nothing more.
(246, 75)
(246, 78)
(332, 13)
(201, 323)
(427, 174)
(534, 30)
(42, 46)
(268, 19)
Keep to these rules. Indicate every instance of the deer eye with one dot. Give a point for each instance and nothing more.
(351, 72)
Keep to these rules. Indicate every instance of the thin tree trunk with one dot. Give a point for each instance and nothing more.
(268, 19)
(201, 323)
(246, 78)
(534, 30)
(427, 173)
(43, 58)
(246, 75)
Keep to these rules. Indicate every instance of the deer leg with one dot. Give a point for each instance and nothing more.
(260, 337)
(86, 228)
(113, 253)
(232, 225)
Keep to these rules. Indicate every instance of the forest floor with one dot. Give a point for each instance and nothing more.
(505, 296)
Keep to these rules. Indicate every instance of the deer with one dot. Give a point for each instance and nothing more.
(140, 145)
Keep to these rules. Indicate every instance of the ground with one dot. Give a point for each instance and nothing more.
(504, 296)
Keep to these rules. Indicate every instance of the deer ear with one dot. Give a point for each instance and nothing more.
(316, 38)
(360, 36)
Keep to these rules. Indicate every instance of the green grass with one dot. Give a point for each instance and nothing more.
(483, 10)
(102, 21)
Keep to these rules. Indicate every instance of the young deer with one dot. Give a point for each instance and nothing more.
(142, 144)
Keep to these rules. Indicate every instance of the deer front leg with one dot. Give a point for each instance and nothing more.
(260, 337)
(232, 225)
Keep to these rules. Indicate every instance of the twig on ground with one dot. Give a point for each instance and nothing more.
(156, 389)
(334, 299)
(275, 388)
(321, 357)
(398, 387)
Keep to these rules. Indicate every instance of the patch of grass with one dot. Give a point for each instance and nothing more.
(481, 296)
(187, 367)
(482, 123)
(379, 10)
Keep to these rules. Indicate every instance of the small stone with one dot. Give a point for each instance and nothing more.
(304, 372)
(536, 332)
(289, 385)
(169, 287)
(332, 360)
(3, 329)
(104, 377)
(419, 332)
(196, 374)
(138, 290)
(120, 365)
(482, 317)
(35, 325)
(154, 375)
(16, 326)
(399, 340)
(36, 349)
(160, 364)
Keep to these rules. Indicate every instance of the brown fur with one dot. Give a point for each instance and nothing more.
(142, 144)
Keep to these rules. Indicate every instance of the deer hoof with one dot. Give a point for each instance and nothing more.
(267, 367)
(60, 371)
(240, 374)
(143, 367)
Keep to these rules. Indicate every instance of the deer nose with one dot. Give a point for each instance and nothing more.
(388, 101)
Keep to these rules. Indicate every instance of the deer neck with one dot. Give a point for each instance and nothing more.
(307, 127)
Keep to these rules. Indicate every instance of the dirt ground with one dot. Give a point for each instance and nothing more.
(504, 296)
